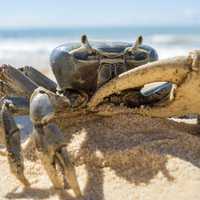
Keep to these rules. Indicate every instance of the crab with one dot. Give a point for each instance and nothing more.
(92, 79)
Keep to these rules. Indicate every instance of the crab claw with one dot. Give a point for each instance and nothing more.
(49, 139)
(182, 71)
(19, 84)
(12, 142)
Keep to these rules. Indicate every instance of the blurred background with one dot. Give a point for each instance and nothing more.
(29, 30)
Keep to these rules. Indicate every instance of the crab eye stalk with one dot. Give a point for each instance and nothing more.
(84, 39)
(135, 46)
(138, 42)
(86, 45)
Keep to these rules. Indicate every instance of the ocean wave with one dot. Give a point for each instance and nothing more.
(27, 45)
(170, 39)
(170, 51)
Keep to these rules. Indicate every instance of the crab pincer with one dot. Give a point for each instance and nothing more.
(182, 71)
(50, 140)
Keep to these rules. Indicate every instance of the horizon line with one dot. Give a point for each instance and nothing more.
(100, 26)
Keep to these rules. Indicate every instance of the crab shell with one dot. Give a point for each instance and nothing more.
(75, 69)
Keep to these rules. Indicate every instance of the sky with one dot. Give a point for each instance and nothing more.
(64, 13)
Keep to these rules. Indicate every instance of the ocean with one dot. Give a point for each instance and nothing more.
(20, 47)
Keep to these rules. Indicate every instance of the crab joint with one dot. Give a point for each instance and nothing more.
(44, 104)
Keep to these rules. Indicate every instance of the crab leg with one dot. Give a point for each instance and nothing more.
(39, 78)
(47, 159)
(5, 89)
(16, 81)
(49, 139)
(50, 144)
(182, 71)
(68, 169)
(16, 106)
(12, 141)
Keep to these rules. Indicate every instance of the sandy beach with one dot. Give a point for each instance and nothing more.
(140, 159)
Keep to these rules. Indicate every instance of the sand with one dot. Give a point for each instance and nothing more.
(121, 157)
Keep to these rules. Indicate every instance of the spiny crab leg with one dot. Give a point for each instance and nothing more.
(182, 71)
(13, 146)
(49, 139)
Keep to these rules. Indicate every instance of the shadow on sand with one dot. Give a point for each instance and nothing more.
(136, 148)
